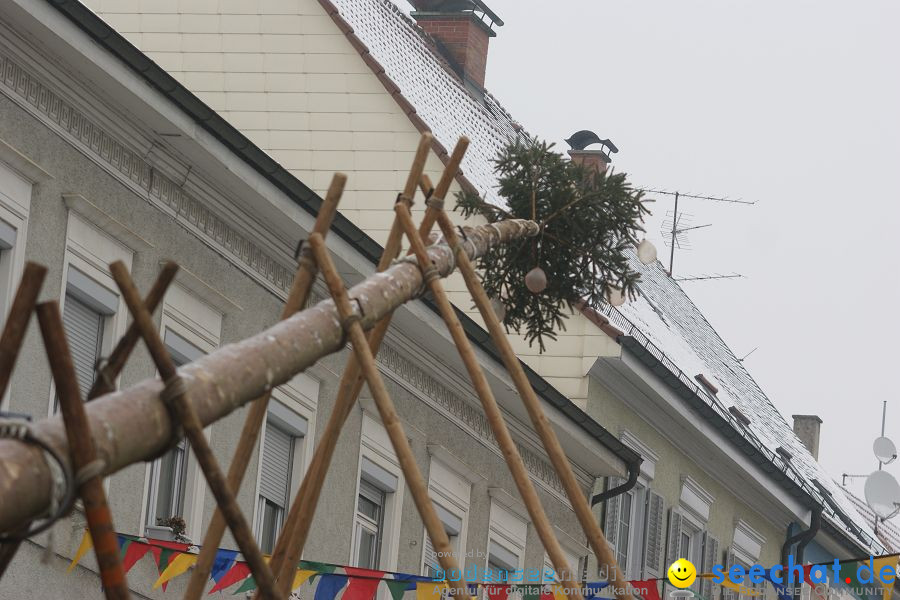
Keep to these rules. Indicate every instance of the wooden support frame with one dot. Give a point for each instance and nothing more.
(290, 544)
(175, 395)
(541, 424)
(416, 483)
(83, 453)
(297, 297)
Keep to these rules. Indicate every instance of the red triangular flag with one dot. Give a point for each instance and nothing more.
(497, 591)
(646, 589)
(135, 552)
(238, 572)
(363, 583)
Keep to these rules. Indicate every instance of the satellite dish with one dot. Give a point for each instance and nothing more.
(885, 450)
(883, 494)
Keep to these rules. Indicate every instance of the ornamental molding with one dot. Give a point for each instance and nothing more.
(147, 180)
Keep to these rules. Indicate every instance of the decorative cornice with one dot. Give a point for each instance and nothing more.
(136, 172)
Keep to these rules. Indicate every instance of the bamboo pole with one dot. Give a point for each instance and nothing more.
(539, 420)
(288, 550)
(83, 453)
(176, 397)
(133, 425)
(389, 417)
(302, 284)
(492, 412)
(10, 344)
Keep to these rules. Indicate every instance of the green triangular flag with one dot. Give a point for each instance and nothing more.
(397, 588)
(248, 586)
(320, 568)
(123, 547)
(848, 574)
(531, 591)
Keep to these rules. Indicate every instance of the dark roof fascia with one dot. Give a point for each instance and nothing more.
(304, 197)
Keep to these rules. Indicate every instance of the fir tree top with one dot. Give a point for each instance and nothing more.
(588, 220)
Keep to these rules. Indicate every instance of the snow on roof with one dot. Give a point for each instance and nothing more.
(665, 315)
(888, 532)
(411, 60)
(663, 312)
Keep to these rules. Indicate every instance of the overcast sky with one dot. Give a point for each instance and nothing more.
(795, 105)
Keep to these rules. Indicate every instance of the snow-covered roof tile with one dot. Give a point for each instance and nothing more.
(411, 61)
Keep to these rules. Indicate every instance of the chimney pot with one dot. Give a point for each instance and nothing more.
(807, 429)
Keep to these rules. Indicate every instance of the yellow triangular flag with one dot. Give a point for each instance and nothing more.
(878, 564)
(86, 544)
(558, 592)
(179, 565)
(300, 577)
(430, 591)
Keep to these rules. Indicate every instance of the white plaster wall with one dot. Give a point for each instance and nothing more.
(284, 74)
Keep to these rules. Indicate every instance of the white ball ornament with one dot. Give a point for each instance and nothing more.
(615, 296)
(536, 280)
(646, 252)
(499, 308)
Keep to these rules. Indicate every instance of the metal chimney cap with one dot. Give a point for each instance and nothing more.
(584, 138)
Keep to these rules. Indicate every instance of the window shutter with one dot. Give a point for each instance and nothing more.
(672, 552)
(84, 329)
(710, 557)
(429, 555)
(611, 520)
(653, 535)
(276, 465)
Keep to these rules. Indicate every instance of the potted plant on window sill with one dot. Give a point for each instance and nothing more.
(171, 529)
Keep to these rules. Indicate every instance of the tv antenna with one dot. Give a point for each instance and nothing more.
(676, 225)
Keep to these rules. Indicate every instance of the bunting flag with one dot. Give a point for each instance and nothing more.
(238, 572)
(363, 583)
(553, 591)
(430, 590)
(86, 544)
(300, 578)
(593, 589)
(134, 552)
(329, 586)
(163, 553)
(496, 591)
(176, 567)
(222, 563)
(403, 583)
(646, 589)
(780, 589)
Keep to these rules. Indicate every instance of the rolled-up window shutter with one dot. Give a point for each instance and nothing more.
(429, 555)
(84, 330)
(654, 534)
(710, 557)
(276, 465)
(611, 511)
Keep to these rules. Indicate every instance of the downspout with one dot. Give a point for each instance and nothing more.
(634, 471)
(802, 539)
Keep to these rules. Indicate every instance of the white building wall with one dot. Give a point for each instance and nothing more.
(284, 74)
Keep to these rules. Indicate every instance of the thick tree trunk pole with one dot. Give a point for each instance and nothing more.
(539, 420)
(388, 412)
(517, 468)
(185, 414)
(133, 425)
(297, 297)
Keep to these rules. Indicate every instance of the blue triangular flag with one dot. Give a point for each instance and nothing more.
(222, 563)
(329, 586)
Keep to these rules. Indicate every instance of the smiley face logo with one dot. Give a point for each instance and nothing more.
(682, 573)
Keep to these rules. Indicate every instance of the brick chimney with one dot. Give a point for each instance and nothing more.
(462, 30)
(807, 429)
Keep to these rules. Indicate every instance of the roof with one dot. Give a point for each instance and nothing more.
(665, 322)
(888, 532)
(298, 192)
(662, 317)
(413, 71)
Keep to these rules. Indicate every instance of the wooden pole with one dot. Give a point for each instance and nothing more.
(389, 417)
(83, 453)
(133, 425)
(492, 411)
(10, 344)
(288, 550)
(184, 412)
(539, 420)
(296, 300)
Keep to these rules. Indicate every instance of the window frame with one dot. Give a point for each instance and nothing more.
(15, 208)
(450, 492)
(508, 530)
(193, 320)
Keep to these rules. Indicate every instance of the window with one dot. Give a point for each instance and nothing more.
(574, 567)
(375, 541)
(168, 478)
(506, 541)
(376, 484)
(450, 493)
(687, 535)
(283, 438)
(87, 307)
(15, 205)
(633, 525)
